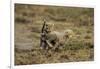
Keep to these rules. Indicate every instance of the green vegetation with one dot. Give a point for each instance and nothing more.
(28, 24)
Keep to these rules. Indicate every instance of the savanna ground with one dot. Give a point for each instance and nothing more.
(28, 24)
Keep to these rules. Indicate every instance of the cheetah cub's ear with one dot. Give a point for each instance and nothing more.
(52, 29)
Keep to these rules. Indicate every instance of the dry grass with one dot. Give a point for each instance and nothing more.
(28, 23)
